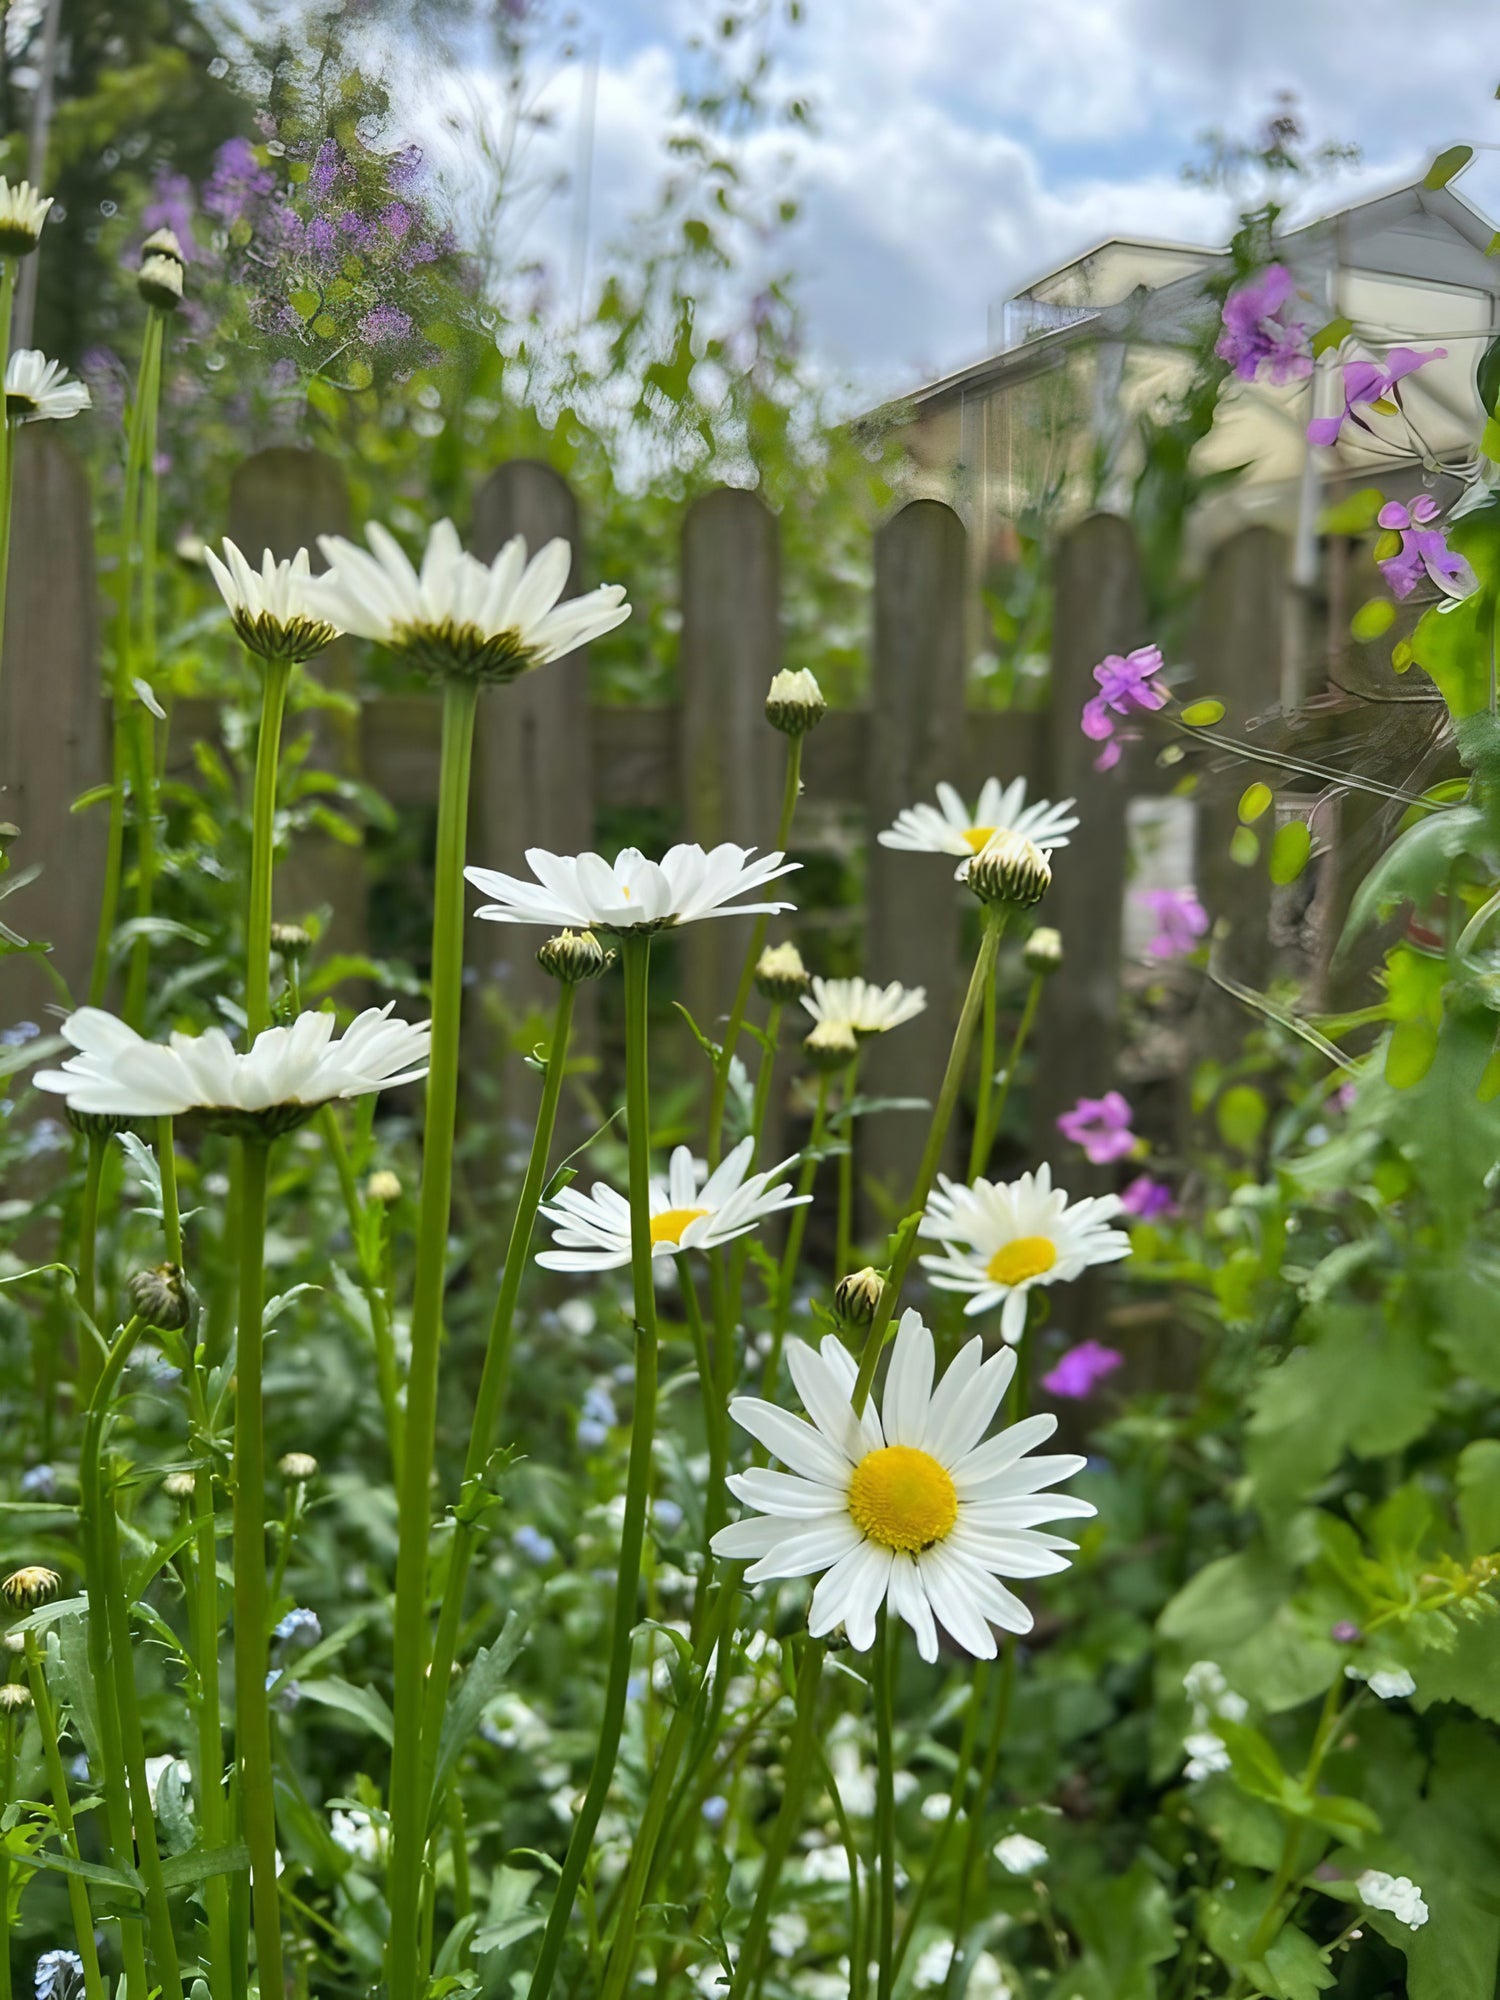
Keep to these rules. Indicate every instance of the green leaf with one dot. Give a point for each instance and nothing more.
(1375, 616)
(1327, 337)
(1203, 714)
(1415, 866)
(1295, 1968)
(1290, 851)
(1448, 163)
(1478, 1482)
(198, 1863)
(362, 1705)
(1227, 1601)
(1244, 847)
(1255, 801)
(1487, 374)
(484, 1680)
(1257, 1769)
(1353, 516)
(1410, 1053)
(1240, 1115)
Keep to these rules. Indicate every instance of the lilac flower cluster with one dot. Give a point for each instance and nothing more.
(1421, 551)
(1180, 921)
(1259, 335)
(1371, 385)
(1127, 684)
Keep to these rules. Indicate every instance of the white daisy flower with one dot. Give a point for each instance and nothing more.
(632, 893)
(458, 615)
(867, 1009)
(592, 1231)
(37, 388)
(276, 612)
(1000, 1238)
(285, 1075)
(950, 828)
(22, 213)
(903, 1506)
(1019, 1855)
(1396, 1893)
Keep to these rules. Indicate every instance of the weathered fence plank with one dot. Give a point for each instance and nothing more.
(916, 727)
(282, 499)
(533, 776)
(1099, 610)
(54, 738)
(728, 763)
(1239, 649)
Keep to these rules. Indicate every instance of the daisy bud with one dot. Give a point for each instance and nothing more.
(1043, 950)
(162, 1297)
(180, 1485)
(856, 1298)
(9, 831)
(15, 1696)
(291, 942)
(22, 213)
(780, 974)
(298, 1467)
(15, 1642)
(163, 243)
(795, 703)
(96, 1124)
(383, 1188)
(159, 281)
(25, 1589)
(831, 1045)
(573, 956)
(1010, 869)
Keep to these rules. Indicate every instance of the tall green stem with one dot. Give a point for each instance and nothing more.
(799, 1763)
(885, 1812)
(7, 1786)
(106, 1664)
(942, 1117)
(62, 1806)
(790, 792)
(7, 434)
(968, 1743)
(715, 1421)
(1012, 1064)
(213, 1807)
(7, 490)
(88, 1263)
(796, 1229)
(274, 678)
(408, 1804)
(251, 1598)
(145, 725)
(845, 1235)
(382, 1333)
(975, 1838)
(496, 1373)
(636, 950)
(979, 1149)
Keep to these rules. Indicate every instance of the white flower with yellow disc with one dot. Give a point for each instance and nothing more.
(587, 892)
(860, 1005)
(1000, 1238)
(592, 1231)
(951, 828)
(909, 1506)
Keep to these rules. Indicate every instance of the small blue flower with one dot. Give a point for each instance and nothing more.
(668, 1515)
(533, 1544)
(46, 1136)
(635, 1687)
(59, 1975)
(599, 1406)
(39, 1481)
(297, 1631)
(715, 1810)
(17, 1038)
(592, 1435)
(285, 1694)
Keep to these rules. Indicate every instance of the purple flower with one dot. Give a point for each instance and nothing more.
(1081, 1369)
(1180, 921)
(1346, 1633)
(1367, 383)
(1126, 683)
(1147, 1199)
(322, 240)
(1101, 1125)
(1258, 333)
(402, 168)
(324, 176)
(238, 179)
(384, 325)
(171, 207)
(396, 219)
(1424, 551)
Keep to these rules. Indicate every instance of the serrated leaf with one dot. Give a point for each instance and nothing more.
(362, 1705)
(486, 1677)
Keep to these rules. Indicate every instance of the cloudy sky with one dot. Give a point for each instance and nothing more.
(962, 147)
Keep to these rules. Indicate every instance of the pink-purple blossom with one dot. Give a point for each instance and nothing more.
(1127, 684)
(1259, 332)
(1148, 1200)
(1081, 1369)
(1367, 382)
(238, 179)
(1424, 551)
(1101, 1125)
(1180, 921)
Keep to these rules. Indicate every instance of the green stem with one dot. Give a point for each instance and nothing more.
(968, 1743)
(7, 487)
(145, 726)
(958, 1055)
(796, 1229)
(7, 1786)
(765, 1075)
(979, 1149)
(845, 1234)
(885, 1812)
(106, 1664)
(1286, 1867)
(715, 1418)
(732, 1027)
(408, 1803)
(1012, 1064)
(171, 1214)
(212, 1808)
(62, 1806)
(987, 1772)
(387, 1374)
(636, 950)
(7, 434)
(88, 1261)
(275, 676)
(799, 1763)
(251, 1600)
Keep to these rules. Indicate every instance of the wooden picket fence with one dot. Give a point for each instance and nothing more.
(548, 760)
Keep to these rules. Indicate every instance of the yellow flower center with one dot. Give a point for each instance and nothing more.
(669, 1225)
(1017, 1262)
(902, 1498)
(979, 836)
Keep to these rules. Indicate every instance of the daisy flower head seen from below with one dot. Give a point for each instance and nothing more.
(1000, 1238)
(908, 1505)
(38, 390)
(457, 617)
(275, 609)
(22, 212)
(631, 893)
(591, 1232)
(950, 827)
(863, 1007)
(274, 1086)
